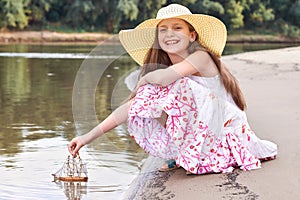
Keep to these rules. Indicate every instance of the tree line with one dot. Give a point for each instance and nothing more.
(281, 16)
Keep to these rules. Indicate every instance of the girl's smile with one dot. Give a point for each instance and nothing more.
(169, 42)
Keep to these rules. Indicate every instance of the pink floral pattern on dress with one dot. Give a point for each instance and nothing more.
(205, 131)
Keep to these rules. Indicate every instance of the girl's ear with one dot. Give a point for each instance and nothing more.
(193, 36)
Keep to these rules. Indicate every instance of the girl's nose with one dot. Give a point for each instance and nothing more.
(170, 32)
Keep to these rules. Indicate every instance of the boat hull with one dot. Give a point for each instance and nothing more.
(71, 178)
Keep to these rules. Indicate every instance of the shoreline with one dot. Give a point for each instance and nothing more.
(24, 37)
(270, 81)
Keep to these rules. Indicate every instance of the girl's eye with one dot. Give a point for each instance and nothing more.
(178, 27)
(162, 30)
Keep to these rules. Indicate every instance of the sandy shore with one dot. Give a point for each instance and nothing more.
(271, 83)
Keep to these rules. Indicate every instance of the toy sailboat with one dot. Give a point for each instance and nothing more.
(72, 170)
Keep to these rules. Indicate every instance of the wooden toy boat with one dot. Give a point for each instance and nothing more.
(72, 170)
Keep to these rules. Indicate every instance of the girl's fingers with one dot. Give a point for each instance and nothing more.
(76, 150)
(70, 147)
(73, 148)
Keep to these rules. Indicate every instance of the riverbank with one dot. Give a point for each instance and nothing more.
(270, 81)
(51, 37)
(57, 37)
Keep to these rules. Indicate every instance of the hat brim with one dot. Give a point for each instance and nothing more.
(211, 32)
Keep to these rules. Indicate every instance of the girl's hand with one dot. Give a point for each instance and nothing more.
(153, 77)
(75, 146)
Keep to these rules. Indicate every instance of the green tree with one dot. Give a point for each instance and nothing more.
(247, 13)
(294, 13)
(148, 9)
(182, 2)
(113, 16)
(234, 12)
(57, 11)
(262, 14)
(208, 7)
(258, 13)
(13, 13)
(287, 10)
(79, 14)
(287, 15)
(38, 10)
(90, 14)
(129, 8)
(133, 12)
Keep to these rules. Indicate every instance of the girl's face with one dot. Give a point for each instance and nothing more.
(174, 36)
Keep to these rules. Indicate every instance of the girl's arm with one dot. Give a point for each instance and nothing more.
(117, 117)
(198, 61)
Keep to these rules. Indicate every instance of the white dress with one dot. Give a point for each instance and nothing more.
(205, 131)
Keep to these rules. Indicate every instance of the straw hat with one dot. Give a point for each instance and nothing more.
(211, 32)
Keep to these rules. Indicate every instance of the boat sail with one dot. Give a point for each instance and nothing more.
(72, 170)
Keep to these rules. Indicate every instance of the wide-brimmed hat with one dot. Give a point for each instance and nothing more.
(211, 32)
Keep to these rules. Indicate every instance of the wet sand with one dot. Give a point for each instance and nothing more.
(270, 81)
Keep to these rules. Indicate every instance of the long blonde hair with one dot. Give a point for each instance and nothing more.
(156, 58)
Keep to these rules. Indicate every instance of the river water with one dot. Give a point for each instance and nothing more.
(52, 93)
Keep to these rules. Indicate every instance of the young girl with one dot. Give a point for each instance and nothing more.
(187, 107)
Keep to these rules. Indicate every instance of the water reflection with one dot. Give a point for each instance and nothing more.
(73, 190)
(36, 123)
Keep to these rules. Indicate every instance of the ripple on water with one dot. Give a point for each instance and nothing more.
(27, 174)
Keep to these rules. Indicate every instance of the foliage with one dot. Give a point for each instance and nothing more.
(287, 10)
(148, 9)
(13, 13)
(286, 29)
(79, 14)
(262, 14)
(208, 7)
(38, 10)
(234, 11)
(129, 8)
(113, 15)
(294, 13)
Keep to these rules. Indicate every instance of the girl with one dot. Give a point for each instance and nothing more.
(187, 107)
